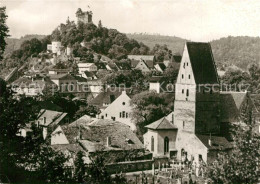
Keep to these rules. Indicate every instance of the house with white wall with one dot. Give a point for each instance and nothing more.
(119, 110)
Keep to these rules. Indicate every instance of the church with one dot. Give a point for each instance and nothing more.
(193, 130)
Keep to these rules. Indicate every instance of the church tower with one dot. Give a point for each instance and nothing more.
(196, 107)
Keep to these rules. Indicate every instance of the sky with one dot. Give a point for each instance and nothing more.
(196, 20)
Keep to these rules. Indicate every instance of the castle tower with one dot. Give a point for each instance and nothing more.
(196, 107)
(84, 17)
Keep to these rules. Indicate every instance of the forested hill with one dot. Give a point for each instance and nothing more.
(174, 43)
(15, 43)
(239, 51)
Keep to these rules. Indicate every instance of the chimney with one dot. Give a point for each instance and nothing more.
(44, 132)
(108, 141)
(44, 120)
(210, 142)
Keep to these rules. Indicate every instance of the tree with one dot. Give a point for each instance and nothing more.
(149, 107)
(97, 172)
(242, 165)
(80, 172)
(3, 31)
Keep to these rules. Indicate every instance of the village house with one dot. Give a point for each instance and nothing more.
(89, 75)
(55, 47)
(32, 85)
(96, 136)
(65, 82)
(145, 63)
(119, 110)
(91, 67)
(195, 131)
(101, 66)
(58, 71)
(107, 96)
(48, 120)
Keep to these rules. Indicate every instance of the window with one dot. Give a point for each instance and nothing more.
(152, 143)
(120, 114)
(183, 124)
(182, 91)
(187, 64)
(182, 76)
(106, 115)
(187, 92)
(166, 145)
(189, 76)
(183, 65)
(123, 114)
(126, 115)
(123, 103)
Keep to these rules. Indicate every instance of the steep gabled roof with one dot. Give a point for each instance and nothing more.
(161, 124)
(202, 62)
(52, 117)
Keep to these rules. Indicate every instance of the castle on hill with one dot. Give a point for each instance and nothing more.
(84, 17)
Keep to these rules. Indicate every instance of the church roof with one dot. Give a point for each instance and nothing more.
(161, 124)
(217, 143)
(202, 63)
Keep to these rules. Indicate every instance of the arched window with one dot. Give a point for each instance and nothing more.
(152, 143)
(166, 145)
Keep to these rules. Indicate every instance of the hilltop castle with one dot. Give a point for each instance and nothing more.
(84, 17)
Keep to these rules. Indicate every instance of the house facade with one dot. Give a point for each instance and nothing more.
(119, 110)
(91, 67)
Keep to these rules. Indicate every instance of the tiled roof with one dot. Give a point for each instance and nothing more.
(134, 63)
(89, 74)
(62, 76)
(228, 109)
(161, 124)
(75, 148)
(238, 97)
(217, 143)
(97, 132)
(35, 83)
(162, 66)
(123, 66)
(101, 66)
(149, 63)
(141, 57)
(80, 79)
(52, 117)
(156, 79)
(202, 62)
(49, 105)
(108, 96)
